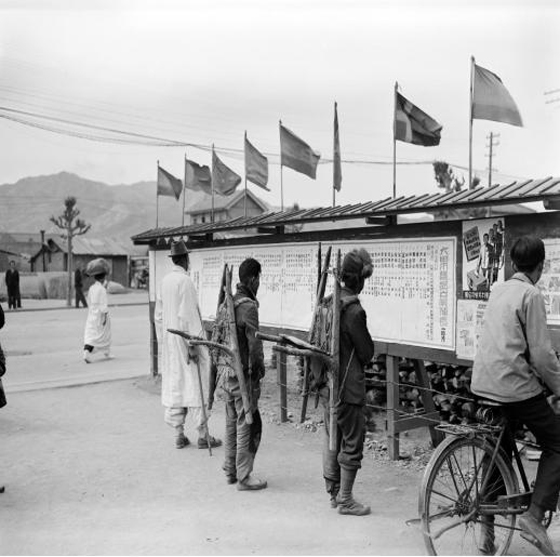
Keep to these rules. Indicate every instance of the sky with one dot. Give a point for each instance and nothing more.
(204, 72)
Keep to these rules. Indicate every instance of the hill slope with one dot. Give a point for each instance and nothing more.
(117, 211)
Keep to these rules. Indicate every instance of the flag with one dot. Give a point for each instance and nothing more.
(256, 165)
(491, 100)
(198, 177)
(413, 125)
(337, 166)
(296, 154)
(224, 180)
(167, 184)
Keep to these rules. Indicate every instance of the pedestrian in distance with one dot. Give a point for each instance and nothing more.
(513, 362)
(2, 372)
(97, 335)
(78, 287)
(12, 285)
(341, 465)
(177, 308)
(242, 439)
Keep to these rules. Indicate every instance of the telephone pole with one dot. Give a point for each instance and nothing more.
(493, 141)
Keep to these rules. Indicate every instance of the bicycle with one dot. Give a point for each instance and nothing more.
(469, 496)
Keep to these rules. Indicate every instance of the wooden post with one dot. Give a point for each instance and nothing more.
(392, 406)
(281, 376)
(429, 406)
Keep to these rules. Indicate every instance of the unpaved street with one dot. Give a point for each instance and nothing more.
(92, 468)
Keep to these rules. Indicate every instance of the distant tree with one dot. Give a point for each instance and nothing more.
(72, 226)
(449, 182)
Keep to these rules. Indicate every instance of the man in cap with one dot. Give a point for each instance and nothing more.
(177, 308)
(242, 439)
(514, 359)
(341, 465)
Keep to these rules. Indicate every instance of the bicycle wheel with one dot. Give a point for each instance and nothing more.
(450, 499)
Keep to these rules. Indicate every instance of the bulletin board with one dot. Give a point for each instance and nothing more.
(409, 299)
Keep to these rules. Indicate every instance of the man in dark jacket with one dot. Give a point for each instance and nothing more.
(2, 371)
(12, 285)
(242, 440)
(356, 350)
(78, 287)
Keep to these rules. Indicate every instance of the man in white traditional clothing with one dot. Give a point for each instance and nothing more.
(177, 308)
(97, 335)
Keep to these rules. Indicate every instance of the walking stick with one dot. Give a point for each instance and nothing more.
(335, 351)
(204, 415)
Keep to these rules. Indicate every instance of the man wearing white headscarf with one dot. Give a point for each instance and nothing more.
(177, 308)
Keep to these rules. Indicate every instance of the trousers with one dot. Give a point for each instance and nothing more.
(544, 424)
(177, 416)
(242, 440)
(349, 450)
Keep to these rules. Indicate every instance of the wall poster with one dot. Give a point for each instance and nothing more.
(470, 316)
(483, 256)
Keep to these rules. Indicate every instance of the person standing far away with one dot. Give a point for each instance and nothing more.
(177, 308)
(2, 372)
(340, 466)
(514, 359)
(242, 439)
(78, 287)
(12, 285)
(97, 335)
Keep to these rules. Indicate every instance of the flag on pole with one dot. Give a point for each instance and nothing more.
(491, 100)
(337, 166)
(256, 165)
(198, 177)
(167, 184)
(296, 154)
(224, 179)
(413, 125)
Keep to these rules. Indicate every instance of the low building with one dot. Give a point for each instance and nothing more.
(227, 207)
(54, 253)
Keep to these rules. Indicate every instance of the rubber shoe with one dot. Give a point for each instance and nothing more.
(231, 480)
(534, 532)
(203, 443)
(251, 484)
(86, 357)
(334, 503)
(181, 442)
(352, 507)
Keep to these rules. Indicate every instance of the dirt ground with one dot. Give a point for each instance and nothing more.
(91, 469)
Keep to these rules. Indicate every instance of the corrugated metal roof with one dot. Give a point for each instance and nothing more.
(524, 191)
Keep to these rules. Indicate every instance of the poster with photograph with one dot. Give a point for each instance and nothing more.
(549, 283)
(483, 256)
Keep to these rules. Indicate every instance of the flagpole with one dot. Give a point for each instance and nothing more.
(184, 190)
(245, 151)
(334, 165)
(471, 98)
(157, 197)
(212, 181)
(395, 141)
(281, 172)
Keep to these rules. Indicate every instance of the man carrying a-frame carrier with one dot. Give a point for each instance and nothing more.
(242, 439)
(341, 464)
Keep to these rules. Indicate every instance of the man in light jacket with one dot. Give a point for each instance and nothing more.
(177, 308)
(513, 362)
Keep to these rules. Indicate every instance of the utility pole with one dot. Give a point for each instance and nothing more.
(493, 141)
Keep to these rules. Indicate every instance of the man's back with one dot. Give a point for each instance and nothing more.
(514, 354)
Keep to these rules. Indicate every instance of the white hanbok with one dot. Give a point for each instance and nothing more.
(98, 324)
(177, 308)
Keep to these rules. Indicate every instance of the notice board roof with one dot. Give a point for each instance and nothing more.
(373, 212)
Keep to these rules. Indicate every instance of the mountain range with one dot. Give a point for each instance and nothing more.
(117, 211)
